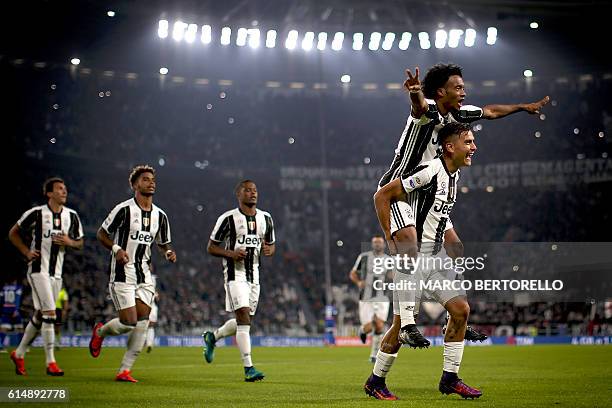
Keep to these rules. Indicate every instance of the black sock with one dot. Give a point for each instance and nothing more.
(409, 327)
(447, 376)
(377, 380)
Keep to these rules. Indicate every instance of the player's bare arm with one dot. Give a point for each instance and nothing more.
(452, 244)
(355, 279)
(107, 242)
(64, 240)
(413, 86)
(168, 252)
(215, 249)
(269, 249)
(499, 111)
(382, 202)
(17, 241)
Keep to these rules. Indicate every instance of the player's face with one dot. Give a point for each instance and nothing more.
(145, 184)
(247, 194)
(59, 193)
(464, 149)
(453, 93)
(378, 244)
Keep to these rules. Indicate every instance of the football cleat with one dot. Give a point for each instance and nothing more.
(473, 335)
(54, 370)
(95, 344)
(411, 336)
(19, 364)
(459, 387)
(209, 346)
(125, 376)
(363, 336)
(372, 359)
(149, 348)
(378, 390)
(251, 374)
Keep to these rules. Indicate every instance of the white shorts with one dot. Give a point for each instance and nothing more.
(124, 295)
(45, 290)
(370, 310)
(241, 294)
(153, 314)
(402, 216)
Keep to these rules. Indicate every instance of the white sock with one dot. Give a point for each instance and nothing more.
(48, 334)
(243, 339)
(30, 332)
(114, 327)
(406, 313)
(376, 339)
(150, 337)
(135, 344)
(453, 353)
(228, 329)
(383, 363)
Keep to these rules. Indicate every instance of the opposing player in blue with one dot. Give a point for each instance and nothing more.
(11, 302)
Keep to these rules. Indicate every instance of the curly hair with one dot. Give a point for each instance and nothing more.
(437, 76)
(138, 170)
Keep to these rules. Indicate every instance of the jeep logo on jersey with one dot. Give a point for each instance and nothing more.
(249, 241)
(443, 208)
(142, 236)
(50, 233)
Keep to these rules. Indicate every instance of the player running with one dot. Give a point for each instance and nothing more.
(135, 224)
(373, 304)
(434, 183)
(435, 102)
(10, 298)
(247, 232)
(53, 227)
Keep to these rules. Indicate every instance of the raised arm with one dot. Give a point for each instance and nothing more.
(500, 111)
(413, 86)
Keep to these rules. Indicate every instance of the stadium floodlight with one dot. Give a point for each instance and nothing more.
(491, 35)
(163, 70)
(388, 41)
(424, 40)
(357, 41)
(162, 29)
(454, 36)
(291, 41)
(374, 41)
(534, 25)
(527, 73)
(178, 31)
(254, 36)
(321, 41)
(110, 13)
(345, 79)
(405, 41)
(470, 37)
(226, 35)
(307, 41)
(190, 35)
(206, 34)
(75, 61)
(337, 41)
(241, 37)
(441, 37)
(271, 38)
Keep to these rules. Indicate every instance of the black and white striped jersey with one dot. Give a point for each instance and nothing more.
(370, 267)
(134, 231)
(431, 192)
(238, 230)
(419, 141)
(43, 224)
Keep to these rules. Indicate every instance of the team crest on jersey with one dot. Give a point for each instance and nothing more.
(251, 225)
(442, 189)
(57, 222)
(145, 222)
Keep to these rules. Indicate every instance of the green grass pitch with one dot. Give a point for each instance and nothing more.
(533, 376)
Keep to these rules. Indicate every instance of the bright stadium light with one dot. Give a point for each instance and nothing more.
(271, 38)
(307, 41)
(291, 41)
(226, 35)
(110, 13)
(527, 73)
(163, 70)
(491, 35)
(405, 41)
(75, 61)
(321, 41)
(254, 35)
(453, 38)
(470, 37)
(190, 35)
(345, 79)
(534, 25)
(441, 37)
(388, 41)
(337, 41)
(241, 37)
(424, 40)
(162, 29)
(357, 41)
(178, 31)
(374, 41)
(206, 37)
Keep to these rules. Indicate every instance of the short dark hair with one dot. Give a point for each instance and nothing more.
(451, 130)
(241, 184)
(437, 76)
(138, 170)
(49, 183)
(377, 236)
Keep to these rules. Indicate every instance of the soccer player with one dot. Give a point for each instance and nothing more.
(54, 227)
(150, 339)
(11, 302)
(135, 224)
(246, 233)
(61, 313)
(435, 102)
(373, 304)
(435, 182)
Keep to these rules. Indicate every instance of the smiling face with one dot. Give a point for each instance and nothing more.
(462, 149)
(452, 94)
